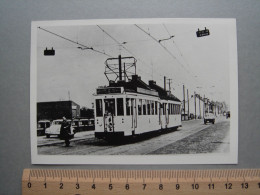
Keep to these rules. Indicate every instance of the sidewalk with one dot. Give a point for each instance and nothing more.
(43, 141)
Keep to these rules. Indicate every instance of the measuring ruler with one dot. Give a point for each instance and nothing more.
(140, 182)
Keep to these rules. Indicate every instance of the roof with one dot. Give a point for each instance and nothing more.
(136, 82)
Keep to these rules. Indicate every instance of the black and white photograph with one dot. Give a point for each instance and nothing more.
(134, 91)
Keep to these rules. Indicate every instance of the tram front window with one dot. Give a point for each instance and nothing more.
(128, 106)
(120, 107)
(99, 109)
(110, 106)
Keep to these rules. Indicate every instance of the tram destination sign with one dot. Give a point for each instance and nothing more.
(109, 90)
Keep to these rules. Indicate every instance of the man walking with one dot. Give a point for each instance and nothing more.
(65, 131)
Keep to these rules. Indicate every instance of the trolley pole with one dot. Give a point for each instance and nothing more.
(120, 68)
(184, 102)
(124, 73)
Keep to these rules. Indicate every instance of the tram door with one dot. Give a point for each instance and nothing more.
(109, 115)
(167, 109)
(134, 114)
(163, 116)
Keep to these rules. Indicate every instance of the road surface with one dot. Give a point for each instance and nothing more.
(193, 137)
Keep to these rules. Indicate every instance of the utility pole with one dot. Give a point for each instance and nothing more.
(164, 83)
(199, 105)
(188, 99)
(204, 106)
(169, 82)
(184, 102)
(195, 103)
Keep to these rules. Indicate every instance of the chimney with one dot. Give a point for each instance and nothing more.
(151, 83)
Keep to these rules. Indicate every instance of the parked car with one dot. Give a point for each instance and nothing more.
(41, 126)
(54, 129)
(209, 117)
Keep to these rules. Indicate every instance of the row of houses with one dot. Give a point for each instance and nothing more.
(196, 107)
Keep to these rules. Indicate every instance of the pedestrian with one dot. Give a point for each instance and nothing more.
(65, 133)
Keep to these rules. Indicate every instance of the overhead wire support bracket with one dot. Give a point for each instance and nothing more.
(162, 47)
(166, 39)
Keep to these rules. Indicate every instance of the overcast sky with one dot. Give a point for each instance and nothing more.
(201, 64)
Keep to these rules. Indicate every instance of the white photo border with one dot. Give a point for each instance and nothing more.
(210, 158)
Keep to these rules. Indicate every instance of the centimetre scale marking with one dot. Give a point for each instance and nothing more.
(143, 182)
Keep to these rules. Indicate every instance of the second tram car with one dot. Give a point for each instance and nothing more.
(127, 108)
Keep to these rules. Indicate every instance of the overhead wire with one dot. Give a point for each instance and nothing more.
(180, 53)
(175, 44)
(114, 39)
(173, 56)
(121, 44)
(75, 42)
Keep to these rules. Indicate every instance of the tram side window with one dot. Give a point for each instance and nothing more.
(163, 108)
(99, 109)
(140, 107)
(148, 107)
(179, 109)
(132, 106)
(152, 107)
(175, 109)
(144, 107)
(120, 107)
(128, 106)
(156, 108)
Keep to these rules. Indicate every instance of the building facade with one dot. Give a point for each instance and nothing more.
(57, 110)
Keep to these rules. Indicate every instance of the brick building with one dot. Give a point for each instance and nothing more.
(57, 109)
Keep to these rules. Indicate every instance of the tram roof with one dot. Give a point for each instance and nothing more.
(137, 82)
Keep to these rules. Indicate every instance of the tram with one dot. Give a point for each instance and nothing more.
(130, 108)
